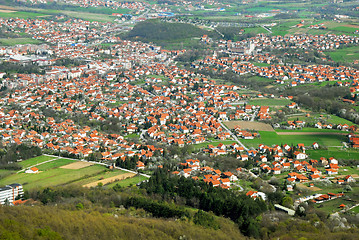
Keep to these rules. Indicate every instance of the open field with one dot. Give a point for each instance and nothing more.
(311, 133)
(344, 54)
(128, 181)
(257, 126)
(270, 102)
(110, 179)
(302, 186)
(36, 160)
(272, 138)
(52, 177)
(348, 154)
(77, 165)
(54, 164)
(316, 117)
(214, 143)
(308, 129)
(15, 41)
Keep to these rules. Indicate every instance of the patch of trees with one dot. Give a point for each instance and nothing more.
(69, 62)
(52, 222)
(163, 33)
(239, 208)
(157, 209)
(9, 67)
(9, 155)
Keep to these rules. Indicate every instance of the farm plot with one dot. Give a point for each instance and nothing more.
(77, 165)
(110, 180)
(257, 126)
(52, 177)
(36, 160)
(272, 138)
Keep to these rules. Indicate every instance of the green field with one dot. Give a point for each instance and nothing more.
(344, 54)
(128, 181)
(52, 177)
(272, 138)
(214, 143)
(15, 41)
(327, 118)
(347, 154)
(54, 164)
(101, 176)
(356, 209)
(307, 129)
(270, 102)
(36, 160)
(22, 14)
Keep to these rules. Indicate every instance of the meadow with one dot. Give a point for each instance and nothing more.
(344, 54)
(52, 174)
(15, 41)
(270, 102)
(337, 153)
(272, 138)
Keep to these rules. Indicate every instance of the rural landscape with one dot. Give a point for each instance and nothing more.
(166, 119)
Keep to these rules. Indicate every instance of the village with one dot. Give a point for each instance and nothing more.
(119, 101)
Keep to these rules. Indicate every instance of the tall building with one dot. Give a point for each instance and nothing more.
(10, 193)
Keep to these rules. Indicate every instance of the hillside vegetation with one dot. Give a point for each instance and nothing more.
(163, 33)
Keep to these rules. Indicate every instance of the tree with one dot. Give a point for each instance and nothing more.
(287, 202)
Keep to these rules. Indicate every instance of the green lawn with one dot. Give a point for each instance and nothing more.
(334, 152)
(344, 54)
(51, 177)
(327, 118)
(21, 14)
(32, 161)
(331, 206)
(356, 209)
(214, 143)
(127, 182)
(310, 130)
(270, 102)
(272, 138)
(15, 41)
(54, 164)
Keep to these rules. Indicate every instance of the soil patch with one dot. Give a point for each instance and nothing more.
(77, 165)
(247, 125)
(110, 180)
(314, 189)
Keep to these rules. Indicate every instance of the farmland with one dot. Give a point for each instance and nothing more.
(272, 138)
(56, 172)
(345, 54)
(15, 41)
(257, 126)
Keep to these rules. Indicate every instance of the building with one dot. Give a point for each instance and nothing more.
(10, 193)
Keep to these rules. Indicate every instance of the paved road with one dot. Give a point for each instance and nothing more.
(266, 29)
(254, 115)
(233, 135)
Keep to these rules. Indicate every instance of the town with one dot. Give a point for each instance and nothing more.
(156, 96)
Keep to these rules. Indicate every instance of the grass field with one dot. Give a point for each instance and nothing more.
(21, 14)
(15, 41)
(270, 102)
(327, 118)
(311, 130)
(214, 143)
(345, 54)
(54, 164)
(127, 182)
(272, 138)
(32, 161)
(355, 210)
(52, 177)
(334, 152)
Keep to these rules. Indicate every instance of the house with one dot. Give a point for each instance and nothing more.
(32, 170)
(349, 179)
(300, 155)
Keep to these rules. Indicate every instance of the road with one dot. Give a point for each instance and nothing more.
(266, 29)
(233, 135)
(254, 115)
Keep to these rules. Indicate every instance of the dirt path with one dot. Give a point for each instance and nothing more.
(110, 179)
